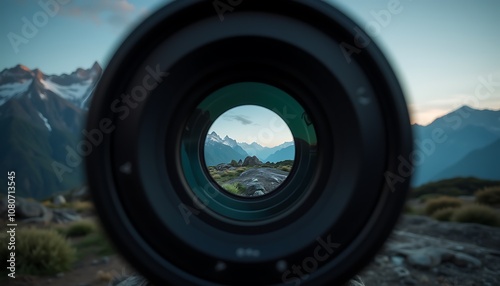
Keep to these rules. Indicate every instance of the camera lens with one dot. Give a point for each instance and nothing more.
(176, 190)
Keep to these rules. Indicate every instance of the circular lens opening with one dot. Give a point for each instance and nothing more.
(249, 151)
(242, 204)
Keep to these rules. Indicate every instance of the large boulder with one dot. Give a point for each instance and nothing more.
(32, 211)
(28, 211)
(59, 200)
(80, 194)
(259, 181)
(251, 161)
(65, 215)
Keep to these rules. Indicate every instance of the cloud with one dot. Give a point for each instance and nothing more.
(241, 118)
(114, 12)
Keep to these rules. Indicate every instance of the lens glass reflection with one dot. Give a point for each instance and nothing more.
(249, 151)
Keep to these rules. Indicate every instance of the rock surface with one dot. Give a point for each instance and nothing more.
(59, 200)
(80, 194)
(65, 216)
(29, 211)
(260, 181)
(422, 251)
(251, 161)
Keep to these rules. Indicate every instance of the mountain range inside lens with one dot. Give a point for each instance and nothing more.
(223, 150)
(42, 119)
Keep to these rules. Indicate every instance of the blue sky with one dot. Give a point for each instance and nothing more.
(442, 51)
(251, 123)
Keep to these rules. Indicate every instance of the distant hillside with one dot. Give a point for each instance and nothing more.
(287, 153)
(262, 152)
(483, 163)
(462, 132)
(454, 187)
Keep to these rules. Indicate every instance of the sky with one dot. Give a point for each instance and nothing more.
(445, 53)
(251, 123)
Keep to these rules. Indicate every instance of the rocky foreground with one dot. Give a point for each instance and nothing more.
(260, 181)
(422, 251)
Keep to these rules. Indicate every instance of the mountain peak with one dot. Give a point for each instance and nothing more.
(213, 136)
(38, 74)
(21, 67)
(96, 66)
(76, 87)
(466, 108)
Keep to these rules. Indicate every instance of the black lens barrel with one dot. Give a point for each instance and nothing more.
(156, 99)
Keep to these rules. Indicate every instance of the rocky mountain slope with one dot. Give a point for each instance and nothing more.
(40, 115)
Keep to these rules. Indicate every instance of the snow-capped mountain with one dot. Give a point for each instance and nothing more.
(41, 116)
(218, 150)
(223, 150)
(75, 87)
(213, 138)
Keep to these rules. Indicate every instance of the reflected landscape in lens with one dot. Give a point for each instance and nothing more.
(249, 151)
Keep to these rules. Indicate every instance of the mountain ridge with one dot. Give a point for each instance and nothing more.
(42, 115)
(243, 149)
(462, 131)
(481, 163)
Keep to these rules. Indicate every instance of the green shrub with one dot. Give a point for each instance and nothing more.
(443, 214)
(466, 186)
(216, 177)
(95, 243)
(236, 188)
(412, 210)
(80, 228)
(39, 252)
(477, 213)
(285, 168)
(82, 206)
(232, 173)
(424, 198)
(489, 196)
(433, 205)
